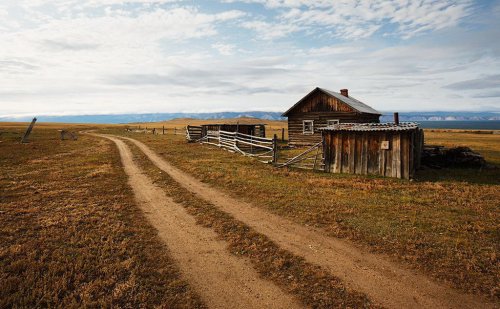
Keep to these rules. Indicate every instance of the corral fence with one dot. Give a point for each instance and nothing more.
(266, 150)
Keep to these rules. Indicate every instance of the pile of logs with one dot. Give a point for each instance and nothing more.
(440, 157)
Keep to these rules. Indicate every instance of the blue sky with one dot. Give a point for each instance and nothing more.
(115, 56)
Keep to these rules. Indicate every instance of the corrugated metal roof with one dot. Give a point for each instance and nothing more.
(352, 102)
(403, 126)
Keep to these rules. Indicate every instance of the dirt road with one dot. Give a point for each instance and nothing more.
(384, 281)
(221, 279)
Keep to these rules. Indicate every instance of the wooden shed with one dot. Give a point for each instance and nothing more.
(197, 132)
(321, 108)
(384, 149)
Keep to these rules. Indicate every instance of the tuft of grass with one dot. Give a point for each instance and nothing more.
(70, 232)
(446, 222)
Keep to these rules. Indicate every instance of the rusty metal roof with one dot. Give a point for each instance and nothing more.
(352, 102)
(402, 126)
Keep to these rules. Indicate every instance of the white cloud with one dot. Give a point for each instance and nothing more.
(269, 31)
(224, 49)
(69, 56)
(50, 58)
(352, 19)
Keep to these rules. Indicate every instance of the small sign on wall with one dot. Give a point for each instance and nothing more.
(384, 145)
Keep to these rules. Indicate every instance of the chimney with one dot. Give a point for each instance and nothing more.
(396, 119)
(344, 92)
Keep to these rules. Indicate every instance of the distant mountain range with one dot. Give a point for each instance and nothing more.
(442, 116)
(130, 118)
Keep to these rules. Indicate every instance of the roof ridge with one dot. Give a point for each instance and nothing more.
(350, 101)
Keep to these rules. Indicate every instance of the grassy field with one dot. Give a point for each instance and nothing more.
(70, 232)
(445, 222)
(71, 235)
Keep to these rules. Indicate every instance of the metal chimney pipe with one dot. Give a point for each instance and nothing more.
(396, 119)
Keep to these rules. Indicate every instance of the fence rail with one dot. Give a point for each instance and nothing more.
(260, 148)
(263, 149)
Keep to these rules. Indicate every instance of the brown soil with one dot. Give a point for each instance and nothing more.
(222, 280)
(384, 281)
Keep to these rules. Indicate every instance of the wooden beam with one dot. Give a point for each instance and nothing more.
(28, 131)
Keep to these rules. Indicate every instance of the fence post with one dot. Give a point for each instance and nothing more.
(28, 131)
(275, 149)
(323, 153)
(163, 130)
(282, 134)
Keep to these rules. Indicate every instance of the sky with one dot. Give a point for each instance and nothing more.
(70, 57)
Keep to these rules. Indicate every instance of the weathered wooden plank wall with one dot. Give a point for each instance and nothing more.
(362, 153)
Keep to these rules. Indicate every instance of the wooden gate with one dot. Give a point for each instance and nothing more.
(312, 159)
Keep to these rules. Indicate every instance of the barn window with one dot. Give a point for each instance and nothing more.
(308, 127)
(332, 122)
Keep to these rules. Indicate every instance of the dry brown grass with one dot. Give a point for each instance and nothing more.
(445, 223)
(70, 233)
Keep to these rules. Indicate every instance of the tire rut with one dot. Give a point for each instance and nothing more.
(221, 279)
(384, 281)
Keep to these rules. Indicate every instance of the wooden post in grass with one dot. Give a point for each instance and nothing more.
(175, 131)
(28, 131)
(282, 134)
(275, 149)
(163, 130)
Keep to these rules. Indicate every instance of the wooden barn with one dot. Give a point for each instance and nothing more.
(197, 132)
(321, 108)
(385, 149)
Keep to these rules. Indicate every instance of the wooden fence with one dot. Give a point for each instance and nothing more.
(263, 149)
